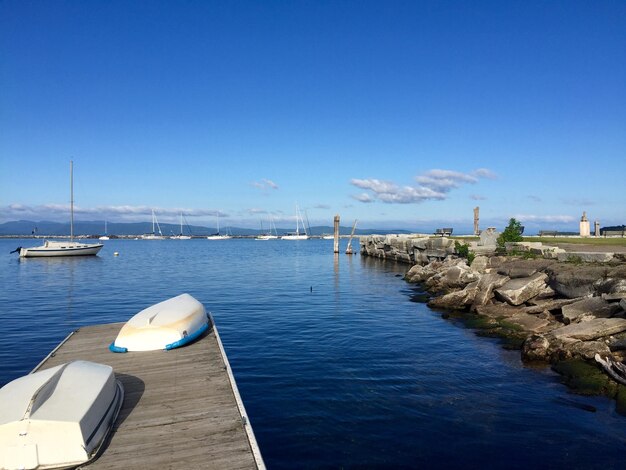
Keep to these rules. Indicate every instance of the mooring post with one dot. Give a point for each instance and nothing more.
(336, 244)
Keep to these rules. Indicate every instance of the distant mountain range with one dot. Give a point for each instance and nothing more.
(96, 228)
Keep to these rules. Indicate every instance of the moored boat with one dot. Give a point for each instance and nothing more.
(166, 325)
(61, 248)
(58, 417)
(52, 248)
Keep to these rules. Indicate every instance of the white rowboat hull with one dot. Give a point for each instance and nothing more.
(166, 325)
(58, 417)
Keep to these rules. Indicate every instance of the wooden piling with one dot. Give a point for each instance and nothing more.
(336, 244)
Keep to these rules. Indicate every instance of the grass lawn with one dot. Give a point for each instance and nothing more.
(579, 241)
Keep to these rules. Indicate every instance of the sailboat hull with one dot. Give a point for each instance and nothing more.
(54, 249)
(295, 237)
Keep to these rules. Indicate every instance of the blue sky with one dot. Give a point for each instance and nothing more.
(400, 114)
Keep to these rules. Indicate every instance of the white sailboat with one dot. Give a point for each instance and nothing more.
(154, 235)
(105, 236)
(52, 248)
(269, 236)
(297, 235)
(180, 236)
(217, 235)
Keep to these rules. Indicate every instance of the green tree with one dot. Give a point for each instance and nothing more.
(512, 233)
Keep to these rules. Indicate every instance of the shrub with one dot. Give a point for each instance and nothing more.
(512, 233)
(462, 249)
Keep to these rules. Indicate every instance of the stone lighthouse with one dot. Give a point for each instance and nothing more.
(584, 225)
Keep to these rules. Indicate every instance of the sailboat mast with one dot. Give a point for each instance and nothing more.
(71, 200)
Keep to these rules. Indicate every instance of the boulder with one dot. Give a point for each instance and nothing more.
(518, 291)
(573, 281)
(546, 293)
(418, 273)
(610, 285)
(486, 285)
(595, 307)
(480, 264)
(439, 243)
(588, 349)
(592, 329)
(548, 252)
(552, 305)
(459, 276)
(457, 300)
(618, 344)
(523, 268)
(585, 257)
(419, 243)
(536, 348)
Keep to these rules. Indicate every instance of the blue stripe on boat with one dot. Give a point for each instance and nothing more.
(188, 338)
(117, 349)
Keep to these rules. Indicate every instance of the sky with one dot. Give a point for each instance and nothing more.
(401, 114)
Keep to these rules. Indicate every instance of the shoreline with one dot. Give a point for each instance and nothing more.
(559, 307)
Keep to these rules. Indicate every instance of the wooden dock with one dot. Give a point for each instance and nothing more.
(181, 407)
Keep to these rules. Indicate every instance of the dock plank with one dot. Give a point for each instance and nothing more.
(179, 407)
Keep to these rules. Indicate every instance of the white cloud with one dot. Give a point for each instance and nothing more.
(363, 197)
(264, 184)
(477, 197)
(485, 173)
(432, 185)
(321, 206)
(60, 212)
(255, 211)
(564, 219)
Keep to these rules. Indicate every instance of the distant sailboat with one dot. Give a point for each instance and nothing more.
(269, 236)
(105, 236)
(180, 236)
(153, 235)
(297, 235)
(62, 248)
(217, 235)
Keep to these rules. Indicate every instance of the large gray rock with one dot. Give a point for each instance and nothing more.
(586, 257)
(486, 285)
(592, 307)
(592, 329)
(536, 348)
(420, 243)
(480, 264)
(455, 300)
(610, 285)
(439, 243)
(523, 268)
(573, 281)
(518, 291)
(489, 237)
(459, 276)
(551, 305)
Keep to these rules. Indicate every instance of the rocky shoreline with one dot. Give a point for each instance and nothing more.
(558, 308)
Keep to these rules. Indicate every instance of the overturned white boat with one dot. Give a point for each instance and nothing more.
(166, 325)
(58, 417)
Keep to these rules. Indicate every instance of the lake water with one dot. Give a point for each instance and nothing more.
(337, 367)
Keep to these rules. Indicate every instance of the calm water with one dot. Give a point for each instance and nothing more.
(335, 364)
